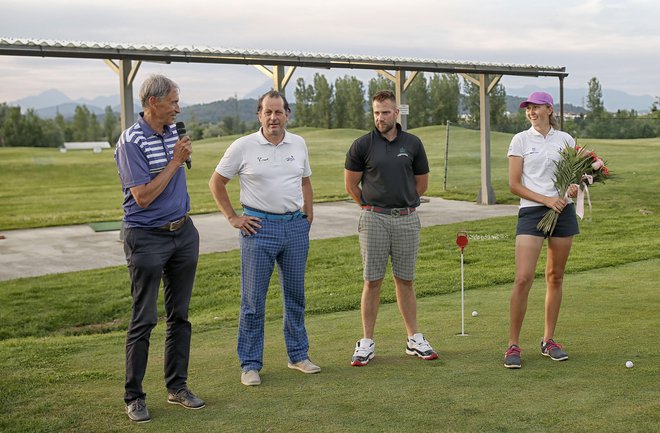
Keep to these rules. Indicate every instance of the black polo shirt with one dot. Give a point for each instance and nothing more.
(388, 168)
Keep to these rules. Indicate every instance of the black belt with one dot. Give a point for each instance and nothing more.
(174, 225)
(395, 212)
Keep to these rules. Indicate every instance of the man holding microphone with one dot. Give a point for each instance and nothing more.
(160, 242)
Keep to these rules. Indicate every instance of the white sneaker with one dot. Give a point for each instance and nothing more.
(418, 346)
(364, 352)
(306, 366)
(250, 378)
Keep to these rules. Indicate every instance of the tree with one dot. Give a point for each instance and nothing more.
(213, 130)
(595, 98)
(418, 100)
(94, 132)
(322, 109)
(655, 107)
(64, 126)
(378, 84)
(349, 103)
(17, 129)
(597, 124)
(193, 129)
(110, 126)
(304, 95)
(81, 123)
(32, 130)
(231, 125)
(517, 122)
(497, 105)
(498, 118)
(654, 115)
(444, 97)
(12, 127)
(472, 103)
(53, 135)
(4, 109)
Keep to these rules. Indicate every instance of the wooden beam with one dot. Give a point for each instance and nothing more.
(127, 72)
(278, 75)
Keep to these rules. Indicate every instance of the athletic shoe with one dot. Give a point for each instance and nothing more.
(250, 378)
(512, 357)
(418, 346)
(553, 350)
(364, 352)
(306, 366)
(137, 411)
(185, 398)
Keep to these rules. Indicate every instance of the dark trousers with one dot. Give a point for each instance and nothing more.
(153, 255)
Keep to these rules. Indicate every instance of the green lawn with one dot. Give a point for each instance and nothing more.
(62, 336)
(74, 383)
(44, 187)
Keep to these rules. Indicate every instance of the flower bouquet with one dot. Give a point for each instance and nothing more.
(575, 166)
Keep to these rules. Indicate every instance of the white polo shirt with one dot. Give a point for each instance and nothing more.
(539, 154)
(270, 176)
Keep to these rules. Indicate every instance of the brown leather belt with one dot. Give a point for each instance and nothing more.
(174, 225)
(395, 212)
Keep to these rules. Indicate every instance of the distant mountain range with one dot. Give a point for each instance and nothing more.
(47, 104)
(50, 102)
(613, 99)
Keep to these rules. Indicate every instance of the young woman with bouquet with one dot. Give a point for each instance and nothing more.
(533, 155)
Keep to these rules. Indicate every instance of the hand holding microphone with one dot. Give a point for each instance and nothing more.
(181, 130)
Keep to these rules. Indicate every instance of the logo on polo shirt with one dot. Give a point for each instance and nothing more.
(262, 159)
(290, 158)
(402, 152)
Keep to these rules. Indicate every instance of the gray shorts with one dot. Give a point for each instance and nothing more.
(382, 236)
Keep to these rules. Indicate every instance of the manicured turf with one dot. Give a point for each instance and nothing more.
(62, 336)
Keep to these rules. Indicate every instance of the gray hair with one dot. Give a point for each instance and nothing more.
(156, 85)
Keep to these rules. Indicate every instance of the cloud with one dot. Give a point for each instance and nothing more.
(615, 40)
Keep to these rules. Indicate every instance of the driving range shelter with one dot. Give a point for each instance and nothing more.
(125, 60)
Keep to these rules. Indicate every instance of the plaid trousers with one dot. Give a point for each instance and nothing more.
(287, 244)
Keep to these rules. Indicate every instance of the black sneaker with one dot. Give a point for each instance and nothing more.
(185, 398)
(137, 411)
(512, 357)
(553, 350)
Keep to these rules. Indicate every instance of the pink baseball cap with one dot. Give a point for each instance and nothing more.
(540, 98)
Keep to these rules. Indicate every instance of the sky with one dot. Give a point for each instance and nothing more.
(616, 41)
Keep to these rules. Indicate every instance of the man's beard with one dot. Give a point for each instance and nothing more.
(385, 128)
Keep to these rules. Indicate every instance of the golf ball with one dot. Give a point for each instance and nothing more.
(629, 364)
(475, 314)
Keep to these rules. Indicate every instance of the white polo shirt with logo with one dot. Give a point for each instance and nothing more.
(270, 175)
(539, 154)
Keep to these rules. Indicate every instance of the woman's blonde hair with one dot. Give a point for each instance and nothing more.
(553, 119)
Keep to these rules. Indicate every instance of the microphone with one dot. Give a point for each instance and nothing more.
(181, 130)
